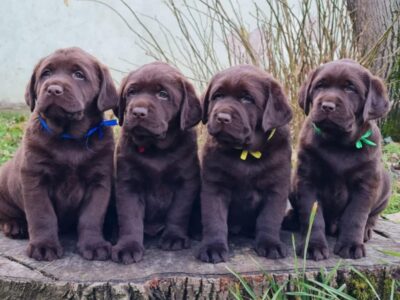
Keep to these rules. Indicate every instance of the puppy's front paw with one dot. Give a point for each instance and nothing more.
(171, 240)
(14, 229)
(214, 252)
(127, 252)
(367, 233)
(270, 248)
(45, 250)
(94, 249)
(317, 249)
(352, 250)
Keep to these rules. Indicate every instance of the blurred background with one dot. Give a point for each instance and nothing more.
(31, 30)
(287, 38)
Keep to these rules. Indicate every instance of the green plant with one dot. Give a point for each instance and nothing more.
(11, 130)
(288, 40)
(324, 286)
(391, 156)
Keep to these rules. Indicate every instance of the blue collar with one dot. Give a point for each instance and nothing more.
(91, 131)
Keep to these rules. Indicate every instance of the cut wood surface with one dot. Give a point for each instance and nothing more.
(168, 275)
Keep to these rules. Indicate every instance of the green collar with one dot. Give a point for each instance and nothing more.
(364, 139)
(317, 130)
(359, 143)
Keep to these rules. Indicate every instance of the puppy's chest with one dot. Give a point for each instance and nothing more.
(66, 187)
(336, 174)
(246, 198)
(243, 210)
(159, 182)
(338, 163)
(158, 179)
(246, 173)
(68, 181)
(73, 157)
(155, 172)
(157, 203)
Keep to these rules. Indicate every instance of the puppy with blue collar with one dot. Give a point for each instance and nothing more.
(60, 177)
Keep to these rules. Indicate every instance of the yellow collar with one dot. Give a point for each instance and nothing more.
(255, 154)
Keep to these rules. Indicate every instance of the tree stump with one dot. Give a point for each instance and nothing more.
(178, 275)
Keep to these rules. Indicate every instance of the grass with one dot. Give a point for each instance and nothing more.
(326, 285)
(391, 155)
(12, 126)
(11, 129)
(298, 286)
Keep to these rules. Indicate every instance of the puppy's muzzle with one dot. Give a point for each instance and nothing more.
(144, 121)
(328, 106)
(227, 126)
(224, 118)
(54, 90)
(331, 114)
(140, 112)
(58, 99)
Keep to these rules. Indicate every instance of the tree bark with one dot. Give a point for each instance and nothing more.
(374, 20)
(371, 19)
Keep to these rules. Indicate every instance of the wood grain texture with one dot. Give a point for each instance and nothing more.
(169, 275)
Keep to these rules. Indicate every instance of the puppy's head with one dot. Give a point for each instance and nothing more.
(241, 104)
(69, 82)
(341, 96)
(156, 99)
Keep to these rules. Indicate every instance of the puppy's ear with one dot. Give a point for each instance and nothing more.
(108, 97)
(377, 102)
(277, 110)
(206, 103)
(30, 91)
(190, 107)
(119, 110)
(304, 94)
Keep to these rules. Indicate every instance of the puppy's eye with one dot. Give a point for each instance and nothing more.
(320, 85)
(163, 94)
(131, 92)
(45, 73)
(350, 88)
(247, 99)
(216, 96)
(78, 75)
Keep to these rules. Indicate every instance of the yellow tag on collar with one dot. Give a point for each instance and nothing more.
(255, 154)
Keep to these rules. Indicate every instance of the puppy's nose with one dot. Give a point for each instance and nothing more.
(328, 106)
(224, 118)
(55, 90)
(140, 112)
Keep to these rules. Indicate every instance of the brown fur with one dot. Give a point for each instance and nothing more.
(54, 184)
(158, 173)
(351, 186)
(241, 107)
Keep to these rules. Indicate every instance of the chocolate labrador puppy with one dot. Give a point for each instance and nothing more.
(158, 173)
(339, 158)
(246, 162)
(61, 175)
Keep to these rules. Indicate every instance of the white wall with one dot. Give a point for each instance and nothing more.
(31, 29)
